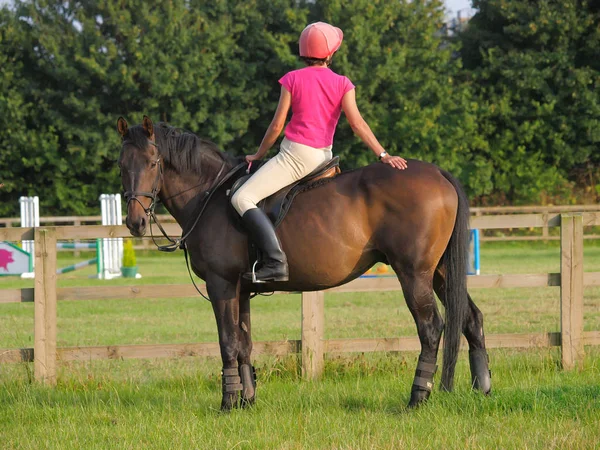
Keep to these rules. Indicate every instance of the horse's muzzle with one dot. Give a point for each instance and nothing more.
(137, 226)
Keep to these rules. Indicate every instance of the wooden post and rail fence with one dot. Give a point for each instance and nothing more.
(45, 294)
(545, 211)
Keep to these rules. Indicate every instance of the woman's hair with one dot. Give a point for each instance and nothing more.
(314, 61)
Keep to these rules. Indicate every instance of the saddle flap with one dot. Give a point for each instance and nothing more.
(238, 184)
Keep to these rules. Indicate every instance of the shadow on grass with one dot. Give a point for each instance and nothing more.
(559, 401)
(392, 405)
(568, 401)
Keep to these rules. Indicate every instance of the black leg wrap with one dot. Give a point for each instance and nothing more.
(424, 375)
(481, 376)
(231, 381)
(248, 377)
(423, 383)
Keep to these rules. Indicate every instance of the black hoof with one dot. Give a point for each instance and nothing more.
(229, 401)
(418, 397)
(247, 402)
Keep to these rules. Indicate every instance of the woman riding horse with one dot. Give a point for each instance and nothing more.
(317, 96)
(415, 220)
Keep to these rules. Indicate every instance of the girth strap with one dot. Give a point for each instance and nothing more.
(424, 375)
(231, 380)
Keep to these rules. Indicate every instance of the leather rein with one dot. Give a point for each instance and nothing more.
(199, 210)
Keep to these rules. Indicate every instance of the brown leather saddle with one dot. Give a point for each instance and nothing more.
(277, 205)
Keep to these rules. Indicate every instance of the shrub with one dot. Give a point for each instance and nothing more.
(128, 254)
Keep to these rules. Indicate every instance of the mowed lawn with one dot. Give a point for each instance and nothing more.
(359, 403)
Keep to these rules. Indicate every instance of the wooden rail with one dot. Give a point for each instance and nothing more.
(312, 345)
(476, 211)
(545, 212)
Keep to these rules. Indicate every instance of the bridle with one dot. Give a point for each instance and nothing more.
(153, 196)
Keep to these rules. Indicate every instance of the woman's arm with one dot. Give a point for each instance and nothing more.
(276, 126)
(363, 131)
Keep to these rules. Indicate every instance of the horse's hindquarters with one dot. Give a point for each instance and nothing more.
(335, 232)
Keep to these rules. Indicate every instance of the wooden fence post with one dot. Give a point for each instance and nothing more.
(313, 327)
(44, 346)
(571, 290)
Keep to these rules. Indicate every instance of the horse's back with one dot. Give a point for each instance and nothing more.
(378, 191)
(367, 215)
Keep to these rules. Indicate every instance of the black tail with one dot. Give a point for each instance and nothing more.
(455, 260)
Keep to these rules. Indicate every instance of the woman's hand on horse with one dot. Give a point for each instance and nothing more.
(395, 161)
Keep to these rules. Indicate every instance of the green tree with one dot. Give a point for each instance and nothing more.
(22, 151)
(534, 69)
(73, 67)
(406, 81)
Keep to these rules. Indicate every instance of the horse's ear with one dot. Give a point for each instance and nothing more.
(122, 126)
(148, 126)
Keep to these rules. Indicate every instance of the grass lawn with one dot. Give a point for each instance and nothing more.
(359, 403)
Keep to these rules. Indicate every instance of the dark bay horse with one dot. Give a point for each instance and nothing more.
(416, 220)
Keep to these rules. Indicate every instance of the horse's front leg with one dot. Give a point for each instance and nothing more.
(247, 372)
(224, 296)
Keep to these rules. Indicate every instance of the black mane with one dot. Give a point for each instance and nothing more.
(183, 150)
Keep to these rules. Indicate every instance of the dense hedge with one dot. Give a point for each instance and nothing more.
(510, 106)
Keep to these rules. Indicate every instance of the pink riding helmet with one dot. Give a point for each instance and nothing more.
(320, 40)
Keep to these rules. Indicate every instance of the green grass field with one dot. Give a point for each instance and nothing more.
(359, 403)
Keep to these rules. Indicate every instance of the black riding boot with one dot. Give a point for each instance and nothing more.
(274, 266)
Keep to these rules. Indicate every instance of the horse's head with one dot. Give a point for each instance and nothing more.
(141, 172)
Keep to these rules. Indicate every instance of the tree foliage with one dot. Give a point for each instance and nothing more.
(510, 107)
(405, 76)
(534, 69)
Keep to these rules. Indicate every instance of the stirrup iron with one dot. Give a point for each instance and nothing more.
(254, 280)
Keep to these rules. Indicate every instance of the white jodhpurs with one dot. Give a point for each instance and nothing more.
(293, 162)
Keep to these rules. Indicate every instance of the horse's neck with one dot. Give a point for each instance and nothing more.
(182, 193)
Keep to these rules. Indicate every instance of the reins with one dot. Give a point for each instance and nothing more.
(180, 243)
(153, 195)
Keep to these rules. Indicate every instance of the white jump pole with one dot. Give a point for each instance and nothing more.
(112, 248)
(119, 217)
(30, 217)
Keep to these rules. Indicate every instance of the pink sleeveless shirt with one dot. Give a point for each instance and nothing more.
(316, 104)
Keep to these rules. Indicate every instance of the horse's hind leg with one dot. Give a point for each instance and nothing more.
(418, 292)
(247, 371)
(473, 331)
